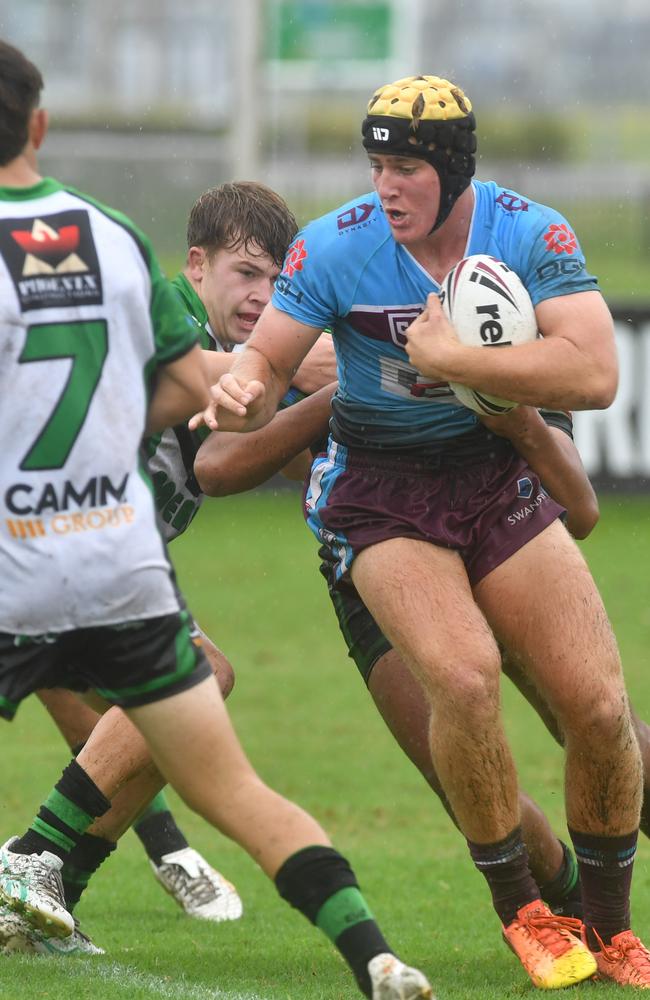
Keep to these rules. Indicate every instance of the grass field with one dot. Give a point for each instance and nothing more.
(248, 569)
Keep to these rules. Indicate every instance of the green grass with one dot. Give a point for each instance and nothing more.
(248, 568)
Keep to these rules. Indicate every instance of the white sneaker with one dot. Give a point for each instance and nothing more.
(18, 936)
(31, 885)
(392, 980)
(197, 887)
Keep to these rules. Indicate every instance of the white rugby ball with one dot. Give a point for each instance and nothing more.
(488, 306)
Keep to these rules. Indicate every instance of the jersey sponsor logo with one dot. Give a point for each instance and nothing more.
(555, 268)
(356, 217)
(22, 499)
(174, 506)
(52, 260)
(65, 523)
(296, 255)
(284, 287)
(399, 378)
(528, 509)
(512, 202)
(560, 239)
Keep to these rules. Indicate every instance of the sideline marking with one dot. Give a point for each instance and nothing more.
(127, 976)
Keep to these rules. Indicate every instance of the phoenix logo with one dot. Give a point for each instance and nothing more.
(48, 250)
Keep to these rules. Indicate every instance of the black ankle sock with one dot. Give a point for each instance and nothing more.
(606, 876)
(160, 835)
(319, 882)
(65, 815)
(563, 893)
(505, 867)
(81, 863)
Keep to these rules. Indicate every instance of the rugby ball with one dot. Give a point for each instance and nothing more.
(488, 306)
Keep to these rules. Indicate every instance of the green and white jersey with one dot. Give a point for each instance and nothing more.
(171, 454)
(85, 319)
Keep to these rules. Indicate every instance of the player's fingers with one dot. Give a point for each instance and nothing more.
(230, 388)
(206, 418)
(413, 327)
(254, 390)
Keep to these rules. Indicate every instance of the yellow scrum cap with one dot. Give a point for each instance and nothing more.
(423, 98)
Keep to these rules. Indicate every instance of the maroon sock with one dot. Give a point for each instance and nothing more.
(505, 866)
(606, 876)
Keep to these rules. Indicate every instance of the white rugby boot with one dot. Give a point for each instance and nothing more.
(18, 936)
(30, 884)
(200, 890)
(392, 980)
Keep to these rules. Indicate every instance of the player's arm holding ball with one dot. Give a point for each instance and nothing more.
(572, 366)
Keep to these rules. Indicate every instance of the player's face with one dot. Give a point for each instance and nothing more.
(234, 287)
(409, 189)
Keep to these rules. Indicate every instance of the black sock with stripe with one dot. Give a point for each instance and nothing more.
(606, 876)
(319, 882)
(81, 864)
(70, 808)
(505, 867)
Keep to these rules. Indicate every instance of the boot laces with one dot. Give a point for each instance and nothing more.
(628, 948)
(555, 934)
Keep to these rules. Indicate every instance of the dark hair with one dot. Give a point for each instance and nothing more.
(20, 88)
(242, 214)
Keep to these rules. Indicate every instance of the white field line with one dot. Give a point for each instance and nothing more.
(129, 977)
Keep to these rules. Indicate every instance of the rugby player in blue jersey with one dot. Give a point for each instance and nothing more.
(415, 501)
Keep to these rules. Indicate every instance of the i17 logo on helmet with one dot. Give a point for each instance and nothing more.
(380, 134)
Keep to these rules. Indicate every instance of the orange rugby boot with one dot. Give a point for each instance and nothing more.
(625, 961)
(549, 947)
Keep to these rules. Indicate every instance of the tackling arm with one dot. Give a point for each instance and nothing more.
(248, 396)
(181, 386)
(554, 457)
(232, 463)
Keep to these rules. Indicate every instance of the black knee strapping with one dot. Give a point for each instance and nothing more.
(308, 878)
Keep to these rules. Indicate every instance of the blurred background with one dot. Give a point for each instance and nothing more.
(152, 102)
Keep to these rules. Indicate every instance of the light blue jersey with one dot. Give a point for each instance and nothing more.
(345, 271)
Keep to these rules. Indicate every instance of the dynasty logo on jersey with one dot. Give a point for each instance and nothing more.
(52, 260)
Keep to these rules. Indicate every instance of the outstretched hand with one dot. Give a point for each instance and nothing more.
(231, 396)
(431, 340)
